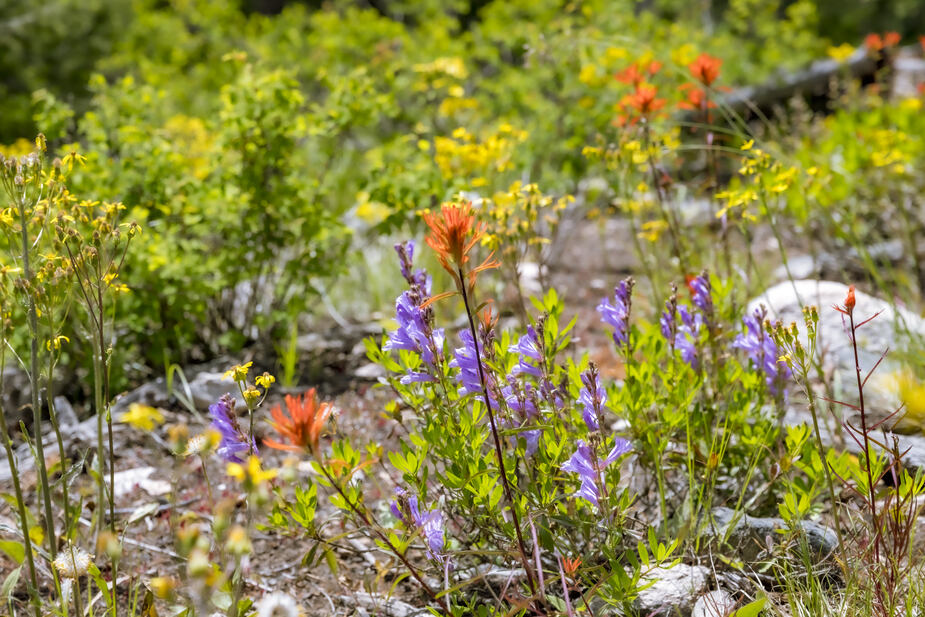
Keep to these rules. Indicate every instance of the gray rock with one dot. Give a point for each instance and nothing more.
(207, 387)
(370, 371)
(154, 393)
(718, 603)
(16, 395)
(751, 536)
(65, 413)
(674, 591)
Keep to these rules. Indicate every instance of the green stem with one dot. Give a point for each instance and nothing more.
(494, 432)
(34, 383)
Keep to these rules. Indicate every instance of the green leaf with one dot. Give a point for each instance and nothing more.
(752, 608)
(9, 584)
(15, 550)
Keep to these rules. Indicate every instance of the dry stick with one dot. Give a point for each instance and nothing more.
(400, 554)
(494, 433)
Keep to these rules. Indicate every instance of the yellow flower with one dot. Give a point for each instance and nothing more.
(162, 586)
(840, 53)
(142, 417)
(265, 380)
(250, 473)
(203, 443)
(251, 395)
(55, 343)
(237, 372)
(238, 543)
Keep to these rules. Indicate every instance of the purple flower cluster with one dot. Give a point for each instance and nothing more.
(430, 522)
(529, 351)
(615, 313)
(591, 398)
(415, 324)
(583, 462)
(683, 336)
(234, 441)
(763, 351)
(464, 358)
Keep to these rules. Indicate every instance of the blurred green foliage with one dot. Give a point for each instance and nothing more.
(257, 149)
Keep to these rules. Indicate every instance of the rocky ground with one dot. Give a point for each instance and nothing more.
(152, 486)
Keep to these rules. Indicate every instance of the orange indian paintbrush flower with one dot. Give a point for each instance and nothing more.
(453, 233)
(302, 429)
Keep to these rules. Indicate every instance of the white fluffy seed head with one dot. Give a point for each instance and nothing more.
(73, 562)
(278, 604)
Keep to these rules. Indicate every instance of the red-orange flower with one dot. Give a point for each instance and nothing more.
(705, 69)
(892, 39)
(570, 566)
(873, 42)
(644, 100)
(302, 429)
(453, 233)
(633, 74)
(922, 41)
(696, 98)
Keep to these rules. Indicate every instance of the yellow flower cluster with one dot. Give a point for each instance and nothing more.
(521, 215)
(463, 155)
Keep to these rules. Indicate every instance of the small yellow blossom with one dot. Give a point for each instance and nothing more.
(142, 417)
(265, 380)
(162, 586)
(841, 52)
(238, 372)
(250, 473)
(55, 343)
(238, 543)
(251, 395)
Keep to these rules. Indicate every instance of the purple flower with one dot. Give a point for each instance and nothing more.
(701, 292)
(234, 441)
(616, 313)
(418, 279)
(761, 349)
(582, 463)
(430, 522)
(591, 399)
(686, 334)
(464, 358)
(528, 349)
(414, 333)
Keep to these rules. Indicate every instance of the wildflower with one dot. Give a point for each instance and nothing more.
(142, 417)
(643, 101)
(701, 293)
(428, 522)
(761, 349)
(202, 443)
(277, 604)
(668, 322)
(234, 441)
(616, 314)
(528, 349)
(583, 463)
(265, 380)
(302, 429)
(405, 252)
(688, 333)
(73, 562)
(453, 233)
(162, 586)
(238, 543)
(705, 69)
(635, 74)
(696, 99)
(591, 399)
(570, 566)
(250, 474)
(841, 53)
(238, 372)
(251, 395)
(414, 333)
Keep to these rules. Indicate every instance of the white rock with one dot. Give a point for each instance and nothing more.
(125, 482)
(717, 603)
(675, 590)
